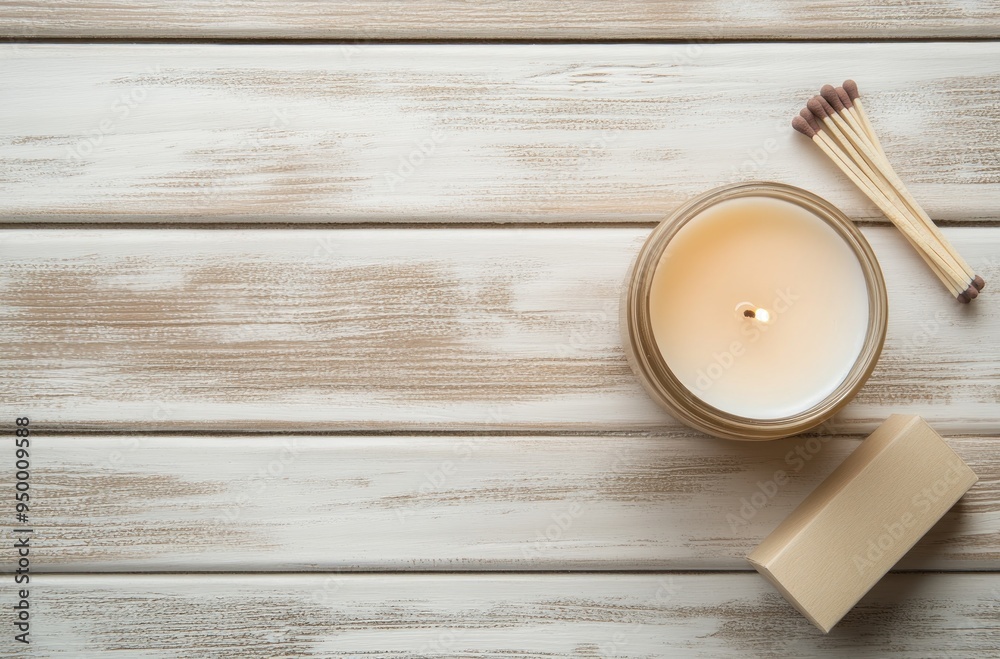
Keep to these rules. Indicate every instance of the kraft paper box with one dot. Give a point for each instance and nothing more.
(862, 519)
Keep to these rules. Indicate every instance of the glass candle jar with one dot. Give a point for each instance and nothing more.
(755, 311)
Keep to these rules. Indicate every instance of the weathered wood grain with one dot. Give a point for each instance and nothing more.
(552, 615)
(466, 133)
(490, 19)
(462, 503)
(443, 329)
(406, 329)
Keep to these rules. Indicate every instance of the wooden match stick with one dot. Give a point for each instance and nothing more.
(811, 120)
(851, 99)
(857, 177)
(836, 122)
(879, 192)
(884, 168)
(868, 163)
(858, 111)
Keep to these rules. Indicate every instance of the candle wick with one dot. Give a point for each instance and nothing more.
(757, 314)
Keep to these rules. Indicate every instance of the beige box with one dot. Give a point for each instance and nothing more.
(862, 519)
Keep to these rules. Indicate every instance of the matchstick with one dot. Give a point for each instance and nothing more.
(869, 164)
(851, 170)
(836, 122)
(848, 97)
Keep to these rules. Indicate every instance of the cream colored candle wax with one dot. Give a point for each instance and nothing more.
(759, 307)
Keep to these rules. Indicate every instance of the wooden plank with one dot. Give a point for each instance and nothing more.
(292, 502)
(399, 329)
(467, 133)
(487, 19)
(551, 615)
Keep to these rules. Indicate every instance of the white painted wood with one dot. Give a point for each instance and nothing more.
(451, 329)
(511, 133)
(143, 503)
(551, 615)
(490, 19)
(397, 329)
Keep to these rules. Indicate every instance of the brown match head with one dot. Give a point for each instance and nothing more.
(826, 106)
(829, 94)
(810, 119)
(815, 105)
(970, 294)
(801, 125)
(851, 88)
(845, 98)
(978, 282)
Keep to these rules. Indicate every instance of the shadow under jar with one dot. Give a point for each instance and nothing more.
(755, 311)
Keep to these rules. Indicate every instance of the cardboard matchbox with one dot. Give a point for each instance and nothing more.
(862, 519)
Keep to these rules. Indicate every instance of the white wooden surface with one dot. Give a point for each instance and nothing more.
(674, 501)
(465, 133)
(360, 20)
(499, 616)
(237, 386)
(401, 329)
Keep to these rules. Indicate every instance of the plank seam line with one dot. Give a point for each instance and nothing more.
(391, 225)
(427, 434)
(597, 433)
(406, 573)
(472, 41)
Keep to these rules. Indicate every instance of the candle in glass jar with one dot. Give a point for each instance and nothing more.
(759, 307)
